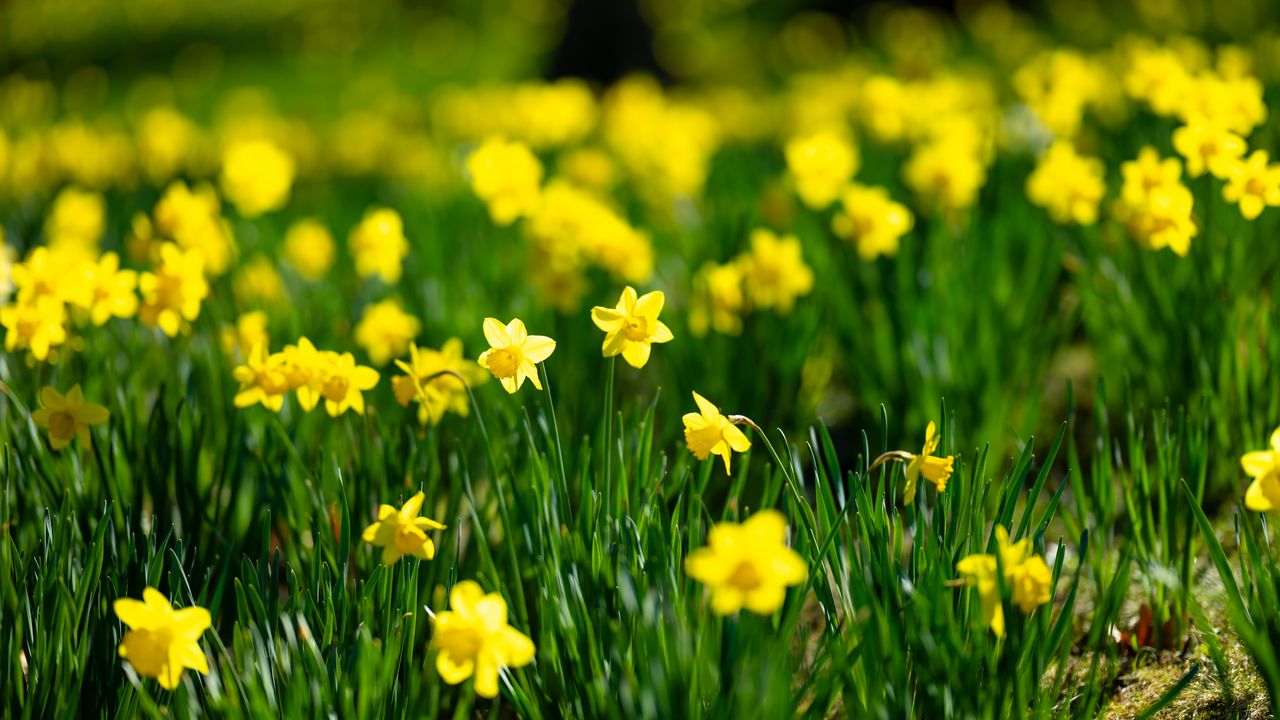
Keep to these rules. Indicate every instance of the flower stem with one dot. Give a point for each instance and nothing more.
(555, 426)
(608, 427)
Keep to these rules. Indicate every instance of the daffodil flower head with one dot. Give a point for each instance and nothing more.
(67, 417)
(633, 326)
(1253, 184)
(437, 380)
(513, 353)
(1025, 575)
(1264, 467)
(38, 324)
(262, 380)
(401, 532)
(475, 641)
(707, 433)
(162, 642)
(748, 565)
(936, 470)
(344, 383)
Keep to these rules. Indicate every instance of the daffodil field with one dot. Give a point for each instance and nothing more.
(777, 359)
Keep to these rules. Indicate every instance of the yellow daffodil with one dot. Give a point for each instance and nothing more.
(1026, 576)
(171, 295)
(109, 291)
(262, 380)
(873, 221)
(344, 382)
(67, 417)
(385, 331)
(507, 176)
(250, 329)
(946, 176)
(257, 176)
(378, 245)
(162, 642)
(429, 382)
(1264, 467)
(257, 281)
(748, 565)
(718, 300)
(1146, 173)
(192, 219)
(475, 641)
(774, 272)
(936, 470)
(401, 532)
(633, 326)
(77, 218)
(1253, 184)
(513, 353)
(304, 371)
(1068, 185)
(37, 324)
(309, 248)
(707, 433)
(1206, 146)
(820, 165)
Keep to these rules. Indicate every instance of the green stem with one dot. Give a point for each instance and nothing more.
(796, 495)
(555, 425)
(608, 428)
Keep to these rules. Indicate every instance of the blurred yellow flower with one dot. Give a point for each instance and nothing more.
(76, 218)
(1146, 173)
(774, 273)
(437, 393)
(873, 221)
(250, 329)
(257, 176)
(1208, 147)
(7, 255)
(474, 639)
(171, 295)
(1068, 185)
(67, 417)
(262, 379)
(1253, 184)
(165, 140)
(1163, 220)
(632, 326)
(378, 245)
(109, 291)
(707, 433)
(946, 176)
(309, 248)
(820, 165)
(513, 353)
(162, 642)
(343, 382)
(401, 532)
(37, 324)
(385, 331)
(304, 369)
(718, 300)
(258, 281)
(192, 219)
(1264, 467)
(507, 176)
(1026, 576)
(748, 565)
